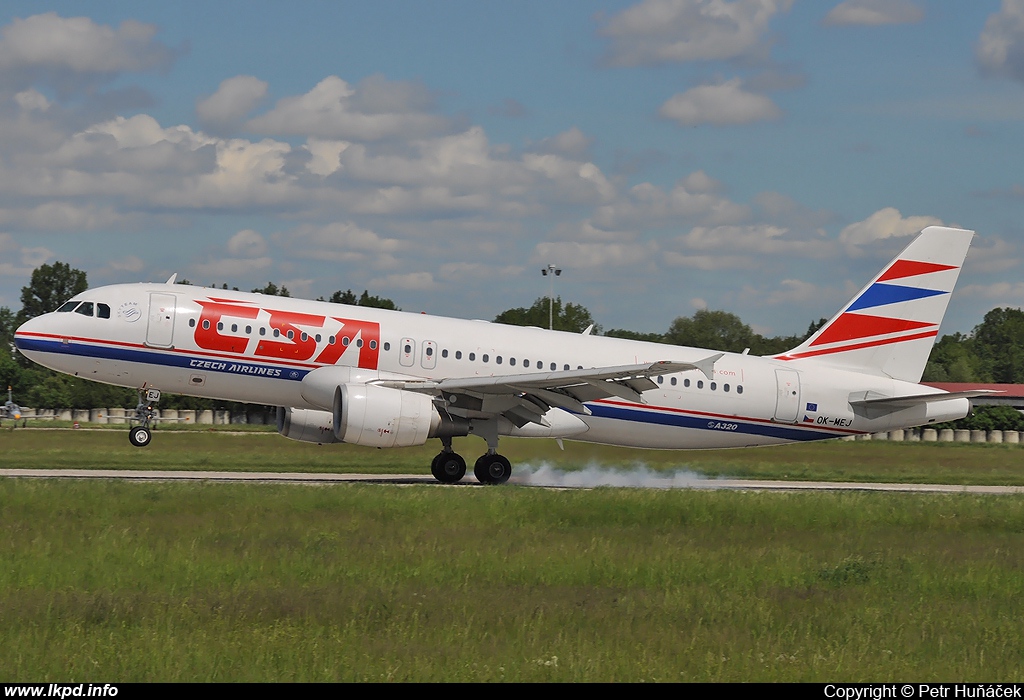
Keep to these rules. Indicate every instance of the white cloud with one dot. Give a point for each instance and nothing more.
(326, 156)
(571, 142)
(32, 100)
(663, 31)
(19, 261)
(414, 281)
(247, 244)
(647, 205)
(593, 255)
(873, 13)
(77, 45)
(374, 110)
(1000, 47)
(885, 223)
(724, 104)
(227, 269)
(339, 242)
(234, 99)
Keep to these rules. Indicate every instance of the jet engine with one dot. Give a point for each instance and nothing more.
(376, 416)
(306, 425)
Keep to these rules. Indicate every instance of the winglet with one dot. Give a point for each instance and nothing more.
(172, 278)
(588, 329)
(707, 365)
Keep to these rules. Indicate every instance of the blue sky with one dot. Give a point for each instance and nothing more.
(764, 157)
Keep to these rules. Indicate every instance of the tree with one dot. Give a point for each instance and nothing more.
(635, 335)
(953, 359)
(999, 344)
(365, 299)
(714, 330)
(51, 286)
(272, 290)
(571, 317)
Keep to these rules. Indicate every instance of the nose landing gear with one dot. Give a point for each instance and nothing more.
(140, 435)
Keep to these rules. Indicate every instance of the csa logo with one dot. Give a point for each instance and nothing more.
(129, 311)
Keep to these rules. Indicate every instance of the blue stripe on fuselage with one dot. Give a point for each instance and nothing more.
(680, 420)
(147, 357)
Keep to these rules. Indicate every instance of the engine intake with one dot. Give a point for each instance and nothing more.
(306, 425)
(367, 414)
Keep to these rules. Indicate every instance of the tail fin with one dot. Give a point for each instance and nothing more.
(890, 326)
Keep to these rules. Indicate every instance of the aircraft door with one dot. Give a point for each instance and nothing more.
(787, 402)
(160, 332)
(429, 358)
(407, 352)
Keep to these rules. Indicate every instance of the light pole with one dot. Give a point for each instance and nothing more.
(552, 272)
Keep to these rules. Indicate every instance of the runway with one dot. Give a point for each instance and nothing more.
(409, 479)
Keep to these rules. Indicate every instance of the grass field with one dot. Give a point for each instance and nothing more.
(952, 463)
(258, 582)
(234, 582)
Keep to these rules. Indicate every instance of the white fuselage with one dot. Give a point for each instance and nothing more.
(253, 348)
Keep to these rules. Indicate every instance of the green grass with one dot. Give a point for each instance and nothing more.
(235, 582)
(262, 451)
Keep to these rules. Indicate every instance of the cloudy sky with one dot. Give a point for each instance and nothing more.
(764, 157)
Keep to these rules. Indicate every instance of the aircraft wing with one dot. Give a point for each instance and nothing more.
(870, 400)
(524, 398)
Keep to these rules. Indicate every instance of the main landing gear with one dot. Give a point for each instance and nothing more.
(140, 435)
(449, 467)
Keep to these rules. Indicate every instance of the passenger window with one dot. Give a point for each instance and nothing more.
(739, 389)
(444, 353)
(661, 379)
(484, 358)
(725, 388)
(102, 311)
(234, 327)
(458, 354)
(686, 383)
(512, 361)
(713, 386)
(263, 330)
(291, 335)
(248, 330)
(700, 384)
(566, 368)
(430, 351)
(85, 308)
(359, 342)
(67, 306)
(472, 356)
(277, 333)
(373, 343)
(673, 380)
(498, 359)
(191, 323)
(387, 346)
(553, 366)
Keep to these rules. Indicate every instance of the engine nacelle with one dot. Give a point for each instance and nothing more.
(376, 416)
(306, 425)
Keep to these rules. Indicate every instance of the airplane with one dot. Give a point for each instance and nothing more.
(13, 411)
(391, 379)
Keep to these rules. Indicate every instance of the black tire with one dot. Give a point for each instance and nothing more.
(448, 467)
(139, 436)
(492, 469)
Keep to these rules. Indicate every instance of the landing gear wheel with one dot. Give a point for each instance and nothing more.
(139, 436)
(492, 469)
(448, 467)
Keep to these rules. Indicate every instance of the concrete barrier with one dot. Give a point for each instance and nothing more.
(98, 415)
(222, 417)
(80, 415)
(912, 436)
(961, 436)
(1011, 436)
(116, 415)
(978, 436)
(204, 417)
(930, 435)
(187, 416)
(895, 435)
(946, 435)
(995, 436)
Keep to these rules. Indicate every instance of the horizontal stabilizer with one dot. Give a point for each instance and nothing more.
(874, 400)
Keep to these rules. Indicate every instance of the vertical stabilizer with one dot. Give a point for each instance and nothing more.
(890, 326)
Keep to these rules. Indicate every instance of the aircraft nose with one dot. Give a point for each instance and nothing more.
(28, 332)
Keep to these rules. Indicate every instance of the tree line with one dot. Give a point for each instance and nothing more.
(992, 352)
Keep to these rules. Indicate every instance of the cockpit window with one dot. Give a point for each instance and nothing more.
(67, 306)
(85, 308)
(102, 311)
